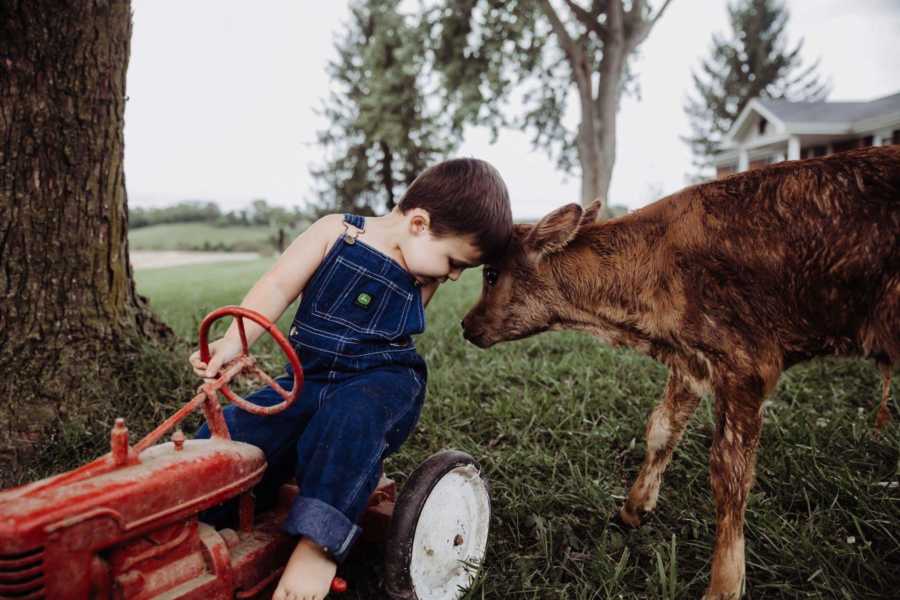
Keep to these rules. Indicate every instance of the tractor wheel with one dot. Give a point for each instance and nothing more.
(439, 530)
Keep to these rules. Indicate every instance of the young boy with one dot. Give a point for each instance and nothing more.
(364, 285)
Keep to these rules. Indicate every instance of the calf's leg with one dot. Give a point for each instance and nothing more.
(665, 427)
(884, 415)
(732, 463)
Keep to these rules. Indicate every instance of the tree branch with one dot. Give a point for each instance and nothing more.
(642, 27)
(588, 18)
(652, 20)
(615, 19)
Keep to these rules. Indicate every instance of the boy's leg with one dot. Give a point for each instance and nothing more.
(275, 435)
(339, 455)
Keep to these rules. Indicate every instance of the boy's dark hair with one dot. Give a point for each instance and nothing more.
(464, 196)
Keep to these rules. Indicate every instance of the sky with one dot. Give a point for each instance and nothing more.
(223, 98)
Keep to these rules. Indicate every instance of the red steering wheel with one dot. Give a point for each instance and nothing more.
(247, 364)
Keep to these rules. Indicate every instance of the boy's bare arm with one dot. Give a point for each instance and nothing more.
(281, 285)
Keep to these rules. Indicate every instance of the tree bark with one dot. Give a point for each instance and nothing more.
(67, 293)
(606, 104)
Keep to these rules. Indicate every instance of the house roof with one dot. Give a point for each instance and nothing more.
(830, 112)
(815, 117)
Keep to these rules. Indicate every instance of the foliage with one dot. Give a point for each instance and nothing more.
(756, 60)
(484, 51)
(188, 211)
(382, 131)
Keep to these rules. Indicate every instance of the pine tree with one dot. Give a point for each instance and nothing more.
(383, 132)
(755, 61)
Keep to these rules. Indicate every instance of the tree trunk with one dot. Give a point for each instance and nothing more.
(594, 170)
(606, 107)
(69, 306)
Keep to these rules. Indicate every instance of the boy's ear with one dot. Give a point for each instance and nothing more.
(553, 232)
(419, 220)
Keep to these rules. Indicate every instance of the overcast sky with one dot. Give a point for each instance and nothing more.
(223, 98)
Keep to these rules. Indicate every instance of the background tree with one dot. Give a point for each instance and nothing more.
(485, 50)
(71, 325)
(382, 132)
(755, 60)
(186, 211)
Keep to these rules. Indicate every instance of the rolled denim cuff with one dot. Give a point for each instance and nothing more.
(324, 525)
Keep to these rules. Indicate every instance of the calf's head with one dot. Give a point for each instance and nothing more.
(520, 294)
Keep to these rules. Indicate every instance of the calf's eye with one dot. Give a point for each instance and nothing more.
(490, 276)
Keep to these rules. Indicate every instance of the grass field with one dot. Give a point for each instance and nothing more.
(202, 236)
(557, 423)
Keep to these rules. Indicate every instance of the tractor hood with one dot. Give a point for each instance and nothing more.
(92, 506)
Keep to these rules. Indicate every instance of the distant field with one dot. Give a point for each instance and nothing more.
(183, 295)
(202, 236)
(557, 423)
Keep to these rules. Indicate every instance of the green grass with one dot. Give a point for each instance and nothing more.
(203, 236)
(557, 423)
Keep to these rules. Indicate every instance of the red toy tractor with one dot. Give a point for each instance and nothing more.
(126, 525)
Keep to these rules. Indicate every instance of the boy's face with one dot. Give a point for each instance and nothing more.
(431, 258)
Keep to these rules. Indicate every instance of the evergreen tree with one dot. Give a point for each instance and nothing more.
(382, 133)
(755, 61)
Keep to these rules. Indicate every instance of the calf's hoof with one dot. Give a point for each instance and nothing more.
(728, 592)
(721, 595)
(626, 519)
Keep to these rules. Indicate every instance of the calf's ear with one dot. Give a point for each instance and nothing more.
(592, 212)
(553, 232)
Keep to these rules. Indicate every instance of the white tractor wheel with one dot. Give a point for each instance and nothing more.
(439, 531)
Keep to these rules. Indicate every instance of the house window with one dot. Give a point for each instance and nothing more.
(758, 164)
(851, 144)
(845, 145)
(761, 126)
(814, 151)
(725, 171)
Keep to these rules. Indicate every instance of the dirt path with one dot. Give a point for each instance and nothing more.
(151, 259)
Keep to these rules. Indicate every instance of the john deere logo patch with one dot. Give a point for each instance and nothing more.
(363, 300)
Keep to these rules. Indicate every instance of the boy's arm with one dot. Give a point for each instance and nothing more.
(281, 285)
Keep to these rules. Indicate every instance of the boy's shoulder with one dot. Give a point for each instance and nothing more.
(328, 226)
(332, 221)
(326, 230)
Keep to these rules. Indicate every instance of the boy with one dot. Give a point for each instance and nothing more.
(364, 284)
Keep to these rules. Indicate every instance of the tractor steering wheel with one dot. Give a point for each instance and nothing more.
(249, 363)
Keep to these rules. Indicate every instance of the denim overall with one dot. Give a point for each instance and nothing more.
(363, 391)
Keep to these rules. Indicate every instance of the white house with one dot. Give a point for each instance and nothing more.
(770, 131)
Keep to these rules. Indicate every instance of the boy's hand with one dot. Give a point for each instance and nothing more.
(220, 352)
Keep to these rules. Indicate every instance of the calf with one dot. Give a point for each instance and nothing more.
(727, 283)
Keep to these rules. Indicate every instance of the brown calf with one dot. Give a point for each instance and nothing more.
(727, 283)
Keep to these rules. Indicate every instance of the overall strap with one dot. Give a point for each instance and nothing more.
(355, 220)
(354, 224)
